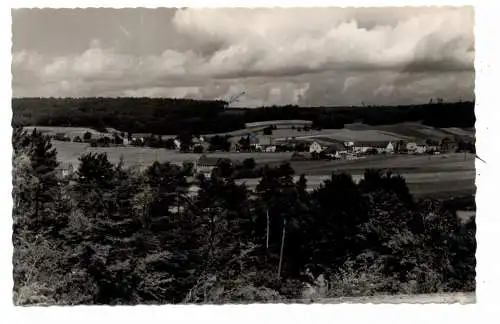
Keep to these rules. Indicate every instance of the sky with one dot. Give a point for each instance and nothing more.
(302, 56)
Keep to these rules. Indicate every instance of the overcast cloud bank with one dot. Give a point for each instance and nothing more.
(278, 56)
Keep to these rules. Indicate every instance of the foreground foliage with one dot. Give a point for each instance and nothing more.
(106, 235)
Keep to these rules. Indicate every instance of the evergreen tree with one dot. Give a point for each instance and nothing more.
(40, 163)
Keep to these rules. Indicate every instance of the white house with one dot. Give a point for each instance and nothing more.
(271, 148)
(265, 140)
(315, 148)
(256, 147)
(341, 154)
(389, 148)
(177, 144)
(416, 148)
(365, 146)
(411, 146)
(421, 149)
(349, 145)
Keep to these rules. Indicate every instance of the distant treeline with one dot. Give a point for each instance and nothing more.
(174, 116)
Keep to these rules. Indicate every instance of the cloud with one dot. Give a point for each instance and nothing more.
(279, 56)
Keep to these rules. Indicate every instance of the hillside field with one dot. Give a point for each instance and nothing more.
(69, 152)
(416, 131)
(447, 174)
(352, 132)
(69, 131)
(409, 131)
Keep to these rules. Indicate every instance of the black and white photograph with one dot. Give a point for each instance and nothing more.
(243, 155)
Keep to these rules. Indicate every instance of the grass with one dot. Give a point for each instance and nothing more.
(70, 131)
(326, 134)
(362, 132)
(407, 163)
(459, 131)
(69, 152)
(416, 131)
(446, 174)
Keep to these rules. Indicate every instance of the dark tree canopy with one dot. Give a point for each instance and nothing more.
(173, 116)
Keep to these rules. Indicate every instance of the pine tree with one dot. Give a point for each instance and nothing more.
(39, 170)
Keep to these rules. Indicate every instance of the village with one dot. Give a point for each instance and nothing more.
(297, 137)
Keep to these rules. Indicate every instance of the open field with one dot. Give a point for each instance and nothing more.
(416, 131)
(279, 123)
(69, 131)
(69, 152)
(447, 174)
(409, 131)
(352, 132)
(339, 135)
(282, 134)
(396, 163)
(459, 131)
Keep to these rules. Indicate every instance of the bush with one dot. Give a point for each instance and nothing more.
(87, 136)
(198, 149)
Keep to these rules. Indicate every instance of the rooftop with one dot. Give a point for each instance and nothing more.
(208, 161)
(371, 143)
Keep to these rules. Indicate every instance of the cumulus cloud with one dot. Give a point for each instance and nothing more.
(278, 56)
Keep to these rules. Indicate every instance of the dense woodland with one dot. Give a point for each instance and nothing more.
(175, 116)
(107, 235)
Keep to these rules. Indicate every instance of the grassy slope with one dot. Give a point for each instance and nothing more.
(361, 132)
(69, 152)
(448, 175)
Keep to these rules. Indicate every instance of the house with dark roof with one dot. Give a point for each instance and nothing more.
(448, 144)
(64, 169)
(380, 146)
(205, 164)
(335, 150)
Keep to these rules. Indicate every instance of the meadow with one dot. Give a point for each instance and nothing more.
(447, 174)
(450, 174)
(408, 131)
(69, 152)
(338, 135)
(416, 131)
(69, 131)
(407, 163)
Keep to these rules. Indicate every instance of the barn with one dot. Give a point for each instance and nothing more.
(315, 147)
(205, 165)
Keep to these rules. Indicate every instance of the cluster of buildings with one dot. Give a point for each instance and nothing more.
(351, 149)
